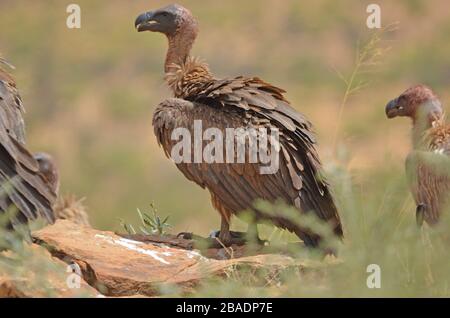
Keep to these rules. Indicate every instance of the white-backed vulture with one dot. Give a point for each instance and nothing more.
(23, 189)
(240, 102)
(428, 164)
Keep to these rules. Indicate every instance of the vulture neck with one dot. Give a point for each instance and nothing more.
(183, 73)
(430, 117)
(418, 136)
(421, 129)
(180, 45)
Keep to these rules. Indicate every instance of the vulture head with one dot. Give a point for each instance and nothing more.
(418, 102)
(170, 20)
(48, 168)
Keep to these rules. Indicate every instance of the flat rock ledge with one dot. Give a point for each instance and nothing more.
(113, 265)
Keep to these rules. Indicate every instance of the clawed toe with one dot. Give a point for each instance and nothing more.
(234, 238)
(233, 234)
(185, 235)
(218, 240)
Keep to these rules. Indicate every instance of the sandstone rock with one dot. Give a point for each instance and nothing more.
(117, 266)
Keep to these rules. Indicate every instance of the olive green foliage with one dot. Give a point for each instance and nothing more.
(151, 223)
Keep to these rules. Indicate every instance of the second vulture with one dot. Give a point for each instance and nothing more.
(240, 102)
(428, 164)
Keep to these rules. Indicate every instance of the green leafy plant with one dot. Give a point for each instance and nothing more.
(368, 56)
(127, 227)
(151, 222)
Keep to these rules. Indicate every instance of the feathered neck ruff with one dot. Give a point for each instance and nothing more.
(437, 135)
(184, 79)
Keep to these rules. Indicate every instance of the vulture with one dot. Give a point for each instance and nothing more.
(428, 164)
(24, 189)
(241, 103)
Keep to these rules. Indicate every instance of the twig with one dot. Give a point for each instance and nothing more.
(366, 57)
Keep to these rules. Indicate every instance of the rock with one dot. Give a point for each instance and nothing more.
(32, 279)
(117, 266)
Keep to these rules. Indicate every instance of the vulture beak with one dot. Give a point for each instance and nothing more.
(145, 22)
(392, 108)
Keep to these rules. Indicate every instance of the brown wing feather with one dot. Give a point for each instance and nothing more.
(235, 187)
(11, 107)
(22, 186)
(263, 100)
(428, 173)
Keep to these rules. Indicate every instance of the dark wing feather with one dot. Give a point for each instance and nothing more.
(428, 174)
(21, 185)
(260, 99)
(235, 187)
(11, 108)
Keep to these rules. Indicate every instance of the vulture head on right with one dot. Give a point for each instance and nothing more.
(419, 103)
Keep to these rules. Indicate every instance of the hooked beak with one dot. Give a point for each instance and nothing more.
(392, 109)
(145, 22)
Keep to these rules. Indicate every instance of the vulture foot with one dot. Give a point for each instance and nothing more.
(185, 235)
(199, 241)
(420, 214)
(214, 240)
(237, 238)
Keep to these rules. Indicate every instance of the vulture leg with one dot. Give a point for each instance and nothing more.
(238, 238)
(218, 239)
(225, 236)
(420, 214)
(233, 234)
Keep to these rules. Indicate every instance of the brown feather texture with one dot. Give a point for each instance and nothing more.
(71, 208)
(241, 102)
(24, 190)
(428, 164)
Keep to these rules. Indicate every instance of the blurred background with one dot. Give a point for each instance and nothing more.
(90, 92)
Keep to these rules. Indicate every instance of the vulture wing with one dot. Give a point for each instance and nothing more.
(428, 174)
(11, 107)
(234, 187)
(21, 185)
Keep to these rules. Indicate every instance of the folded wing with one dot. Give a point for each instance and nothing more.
(22, 188)
(235, 187)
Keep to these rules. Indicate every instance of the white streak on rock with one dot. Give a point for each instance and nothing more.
(131, 245)
(196, 254)
(130, 241)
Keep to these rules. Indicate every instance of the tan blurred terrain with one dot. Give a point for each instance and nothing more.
(90, 93)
